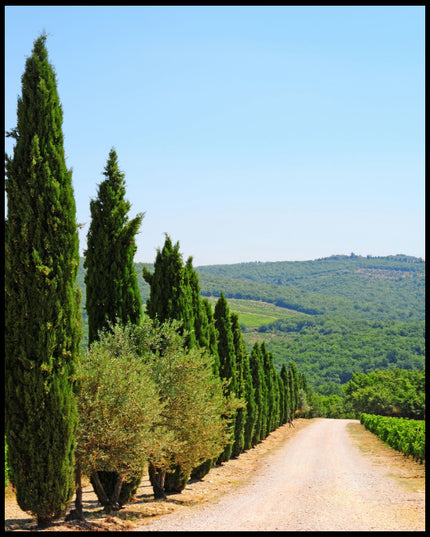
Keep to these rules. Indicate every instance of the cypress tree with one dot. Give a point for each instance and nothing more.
(198, 317)
(281, 392)
(240, 418)
(212, 336)
(257, 372)
(293, 385)
(42, 302)
(251, 407)
(268, 377)
(286, 394)
(170, 295)
(166, 283)
(171, 298)
(112, 290)
(227, 356)
(271, 377)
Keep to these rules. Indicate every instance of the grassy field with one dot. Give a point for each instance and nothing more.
(254, 313)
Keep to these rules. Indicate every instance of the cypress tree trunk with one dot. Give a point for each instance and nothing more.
(42, 306)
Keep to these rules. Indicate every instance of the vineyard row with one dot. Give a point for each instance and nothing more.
(402, 434)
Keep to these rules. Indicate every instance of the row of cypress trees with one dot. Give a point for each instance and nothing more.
(269, 398)
(42, 306)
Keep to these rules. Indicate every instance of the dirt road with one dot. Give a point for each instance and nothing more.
(317, 481)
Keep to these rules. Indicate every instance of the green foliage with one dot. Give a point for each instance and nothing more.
(118, 403)
(241, 388)
(227, 358)
(356, 287)
(370, 313)
(143, 394)
(402, 434)
(332, 350)
(246, 416)
(332, 316)
(197, 415)
(42, 302)
(112, 290)
(175, 295)
(109, 480)
(168, 293)
(259, 385)
(389, 393)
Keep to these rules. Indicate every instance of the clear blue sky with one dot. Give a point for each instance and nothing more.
(246, 133)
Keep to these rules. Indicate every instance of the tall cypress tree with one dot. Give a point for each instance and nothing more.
(209, 337)
(112, 289)
(173, 296)
(227, 356)
(272, 390)
(212, 337)
(170, 293)
(42, 302)
(286, 394)
(251, 407)
(241, 413)
(257, 372)
(293, 385)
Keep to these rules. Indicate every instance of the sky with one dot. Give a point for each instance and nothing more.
(246, 133)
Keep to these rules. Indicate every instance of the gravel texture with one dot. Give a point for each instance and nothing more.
(317, 481)
(327, 475)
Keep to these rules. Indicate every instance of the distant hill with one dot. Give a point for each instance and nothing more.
(366, 287)
(331, 316)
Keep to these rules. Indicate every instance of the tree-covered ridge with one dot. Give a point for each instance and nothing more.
(373, 319)
(387, 287)
(380, 288)
(330, 351)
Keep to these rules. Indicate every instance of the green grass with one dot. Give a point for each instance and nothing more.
(254, 313)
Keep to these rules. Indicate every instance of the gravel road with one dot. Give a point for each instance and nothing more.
(317, 481)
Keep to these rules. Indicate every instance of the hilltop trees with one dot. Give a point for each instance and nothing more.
(112, 291)
(42, 302)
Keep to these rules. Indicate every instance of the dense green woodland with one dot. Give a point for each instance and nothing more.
(332, 316)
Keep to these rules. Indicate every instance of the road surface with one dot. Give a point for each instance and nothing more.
(317, 481)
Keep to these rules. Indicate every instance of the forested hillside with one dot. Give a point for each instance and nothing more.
(332, 316)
